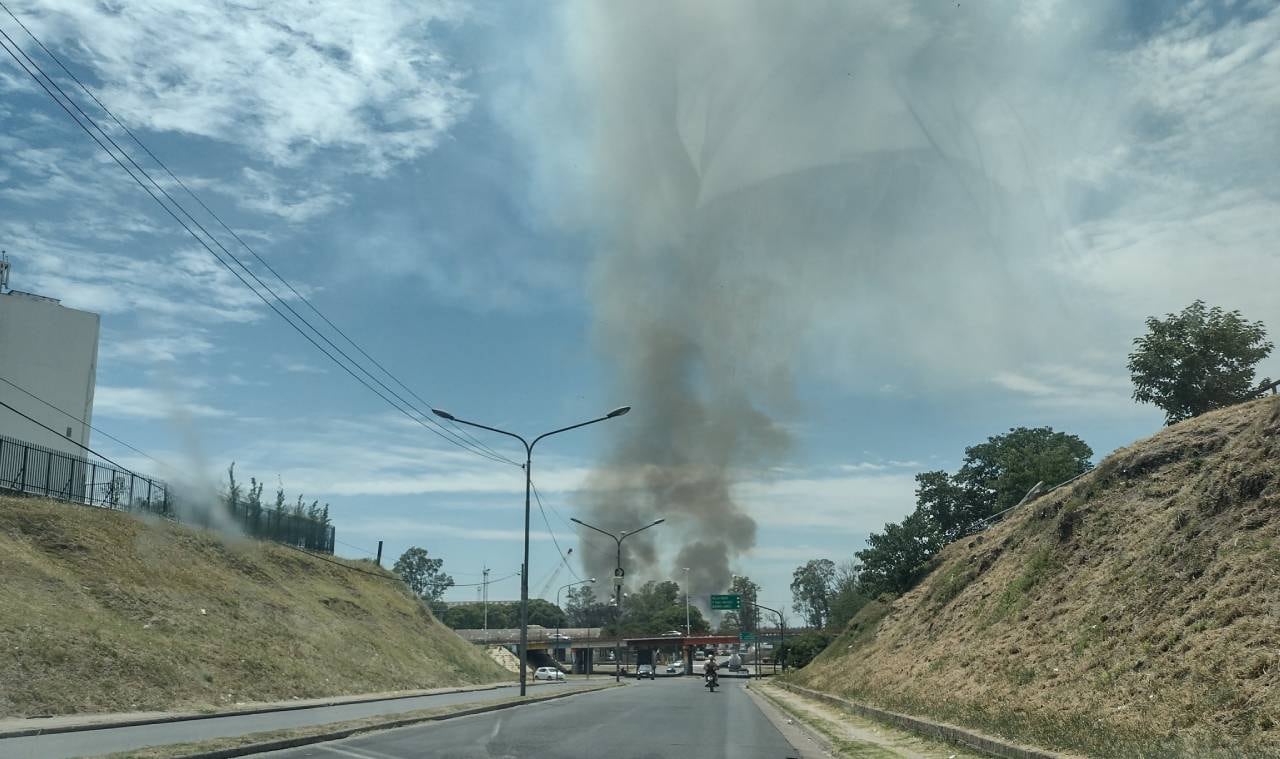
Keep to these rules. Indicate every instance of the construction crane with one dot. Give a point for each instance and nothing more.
(555, 575)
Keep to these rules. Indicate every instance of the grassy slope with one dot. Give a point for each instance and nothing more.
(1136, 613)
(100, 611)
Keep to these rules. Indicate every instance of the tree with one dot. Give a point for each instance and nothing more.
(730, 623)
(749, 615)
(584, 609)
(233, 490)
(998, 473)
(811, 586)
(423, 574)
(799, 650)
(1196, 361)
(892, 560)
(946, 507)
(543, 612)
(848, 598)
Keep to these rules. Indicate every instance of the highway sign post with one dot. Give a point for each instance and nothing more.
(726, 602)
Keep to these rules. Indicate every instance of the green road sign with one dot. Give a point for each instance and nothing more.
(746, 637)
(728, 602)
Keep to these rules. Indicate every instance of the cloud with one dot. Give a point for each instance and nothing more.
(851, 505)
(155, 349)
(296, 365)
(264, 193)
(1065, 386)
(147, 403)
(282, 80)
(428, 527)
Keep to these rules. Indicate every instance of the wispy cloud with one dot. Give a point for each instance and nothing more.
(283, 80)
(148, 403)
(262, 192)
(429, 527)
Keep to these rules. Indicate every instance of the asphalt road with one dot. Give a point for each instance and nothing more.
(672, 717)
(106, 741)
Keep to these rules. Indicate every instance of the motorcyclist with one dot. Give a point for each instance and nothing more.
(710, 670)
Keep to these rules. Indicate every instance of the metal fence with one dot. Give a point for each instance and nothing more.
(36, 470)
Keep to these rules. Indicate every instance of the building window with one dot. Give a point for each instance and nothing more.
(68, 432)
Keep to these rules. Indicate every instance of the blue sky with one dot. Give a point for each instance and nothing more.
(892, 229)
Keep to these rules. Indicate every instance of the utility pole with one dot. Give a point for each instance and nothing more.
(687, 631)
(484, 585)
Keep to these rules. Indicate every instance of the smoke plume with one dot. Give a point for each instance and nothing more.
(847, 186)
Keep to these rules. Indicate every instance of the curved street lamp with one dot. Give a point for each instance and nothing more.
(617, 580)
(528, 466)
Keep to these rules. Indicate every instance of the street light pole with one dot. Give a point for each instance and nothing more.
(686, 602)
(782, 638)
(617, 580)
(528, 484)
(562, 587)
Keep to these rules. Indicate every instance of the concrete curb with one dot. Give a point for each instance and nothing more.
(334, 735)
(936, 730)
(28, 732)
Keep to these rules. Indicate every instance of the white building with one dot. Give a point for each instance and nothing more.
(51, 352)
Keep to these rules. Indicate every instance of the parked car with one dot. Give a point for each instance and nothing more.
(548, 673)
(674, 669)
(643, 671)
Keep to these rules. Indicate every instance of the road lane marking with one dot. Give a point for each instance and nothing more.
(357, 753)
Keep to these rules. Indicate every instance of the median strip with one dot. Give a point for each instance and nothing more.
(275, 740)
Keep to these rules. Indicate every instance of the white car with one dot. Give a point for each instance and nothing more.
(548, 673)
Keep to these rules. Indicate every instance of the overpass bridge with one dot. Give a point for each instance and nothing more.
(582, 644)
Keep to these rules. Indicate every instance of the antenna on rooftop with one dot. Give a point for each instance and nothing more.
(4, 271)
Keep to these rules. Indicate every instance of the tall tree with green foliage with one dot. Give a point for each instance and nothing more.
(424, 575)
(730, 623)
(894, 559)
(1197, 360)
(748, 615)
(812, 584)
(998, 473)
(848, 597)
(584, 609)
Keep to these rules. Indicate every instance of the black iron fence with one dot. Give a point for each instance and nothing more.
(36, 470)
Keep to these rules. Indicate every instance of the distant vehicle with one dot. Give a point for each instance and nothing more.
(558, 636)
(671, 633)
(700, 656)
(735, 663)
(643, 671)
(673, 669)
(548, 673)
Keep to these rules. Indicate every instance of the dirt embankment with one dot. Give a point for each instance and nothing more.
(101, 611)
(1134, 613)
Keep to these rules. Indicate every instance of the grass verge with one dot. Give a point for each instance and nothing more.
(835, 724)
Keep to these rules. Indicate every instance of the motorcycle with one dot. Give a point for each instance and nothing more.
(712, 681)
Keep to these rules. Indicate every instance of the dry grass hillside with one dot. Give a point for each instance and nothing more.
(101, 611)
(1134, 613)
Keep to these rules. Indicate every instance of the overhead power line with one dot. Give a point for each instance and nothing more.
(69, 440)
(401, 404)
(73, 417)
(551, 532)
